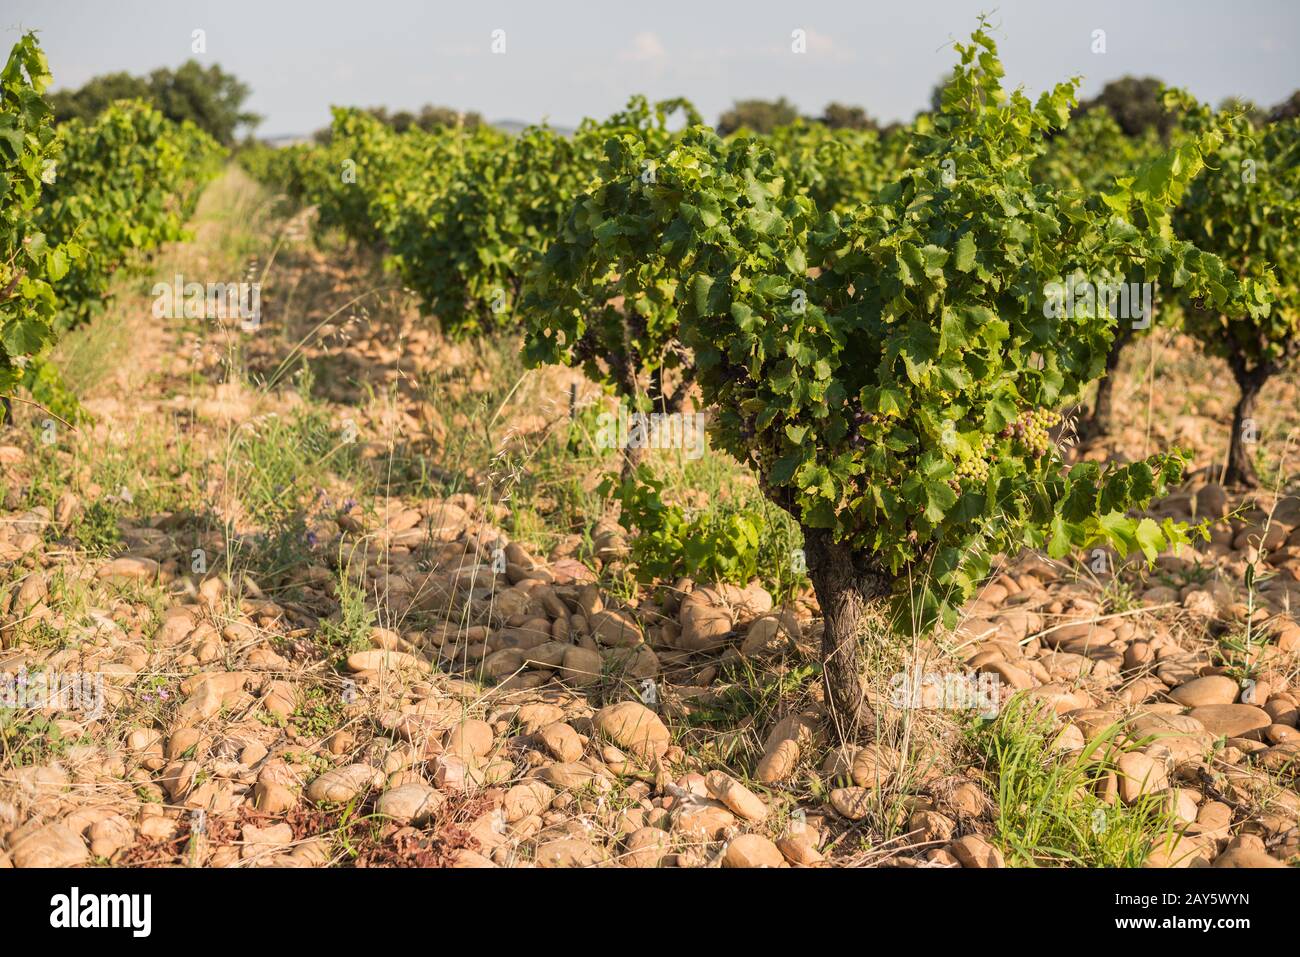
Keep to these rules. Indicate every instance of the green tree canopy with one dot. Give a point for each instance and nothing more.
(1136, 103)
(757, 116)
(208, 97)
(840, 116)
(1288, 109)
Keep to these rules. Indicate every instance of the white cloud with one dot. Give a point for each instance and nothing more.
(819, 44)
(645, 46)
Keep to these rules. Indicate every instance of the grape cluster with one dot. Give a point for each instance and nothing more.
(976, 467)
(1030, 430)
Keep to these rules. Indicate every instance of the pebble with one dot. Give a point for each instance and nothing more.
(1246, 857)
(53, 845)
(410, 803)
(646, 847)
(752, 850)
(854, 803)
(1210, 690)
(1140, 774)
(635, 728)
(343, 784)
(972, 850)
(568, 852)
(739, 799)
(561, 741)
(1232, 720)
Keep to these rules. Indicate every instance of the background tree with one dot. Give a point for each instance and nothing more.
(91, 99)
(1136, 103)
(1288, 109)
(208, 97)
(428, 118)
(757, 116)
(838, 116)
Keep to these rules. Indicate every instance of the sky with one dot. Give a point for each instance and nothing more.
(564, 59)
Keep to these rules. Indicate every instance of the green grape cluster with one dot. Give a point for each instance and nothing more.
(974, 468)
(1030, 430)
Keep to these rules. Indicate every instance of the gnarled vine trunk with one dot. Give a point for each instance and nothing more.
(1241, 458)
(1102, 418)
(661, 400)
(846, 586)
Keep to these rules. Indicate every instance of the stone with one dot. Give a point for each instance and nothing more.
(264, 840)
(272, 798)
(783, 746)
(770, 636)
(973, 851)
(1232, 720)
(706, 619)
(635, 728)
(703, 821)
(178, 777)
(615, 629)
(110, 835)
(525, 800)
(130, 568)
(646, 847)
(1140, 774)
(854, 803)
(1213, 818)
(471, 738)
(581, 666)
(377, 659)
(568, 852)
(410, 803)
(204, 703)
(54, 845)
(739, 799)
(1246, 857)
(570, 776)
(930, 827)
(561, 741)
(799, 850)
(874, 765)
(1210, 690)
(343, 784)
(752, 850)
(966, 800)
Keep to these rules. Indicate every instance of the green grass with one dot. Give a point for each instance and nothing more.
(350, 631)
(28, 739)
(1047, 813)
(319, 712)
